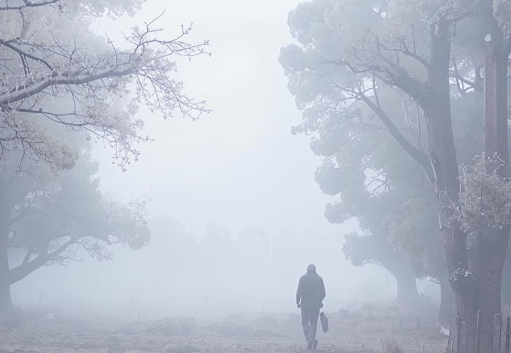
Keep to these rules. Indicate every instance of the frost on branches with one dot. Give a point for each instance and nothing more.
(48, 55)
(485, 197)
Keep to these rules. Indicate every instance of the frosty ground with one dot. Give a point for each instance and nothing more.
(357, 331)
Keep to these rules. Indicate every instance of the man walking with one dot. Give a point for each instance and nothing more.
(309, 298)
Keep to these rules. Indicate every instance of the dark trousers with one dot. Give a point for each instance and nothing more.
(310, 316)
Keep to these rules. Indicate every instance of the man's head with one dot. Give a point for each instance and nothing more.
(311, 268)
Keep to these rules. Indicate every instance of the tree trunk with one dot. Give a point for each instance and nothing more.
(9, 196)
(487, 265)
(5, 283)
(442, 170)
(447, 309)
(5, 298)
(506, 281)
(490, 247)
(398, 265)
(437, 111)
(406, 287)
(476, 280)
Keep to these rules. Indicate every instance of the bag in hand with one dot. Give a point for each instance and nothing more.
(324, 322)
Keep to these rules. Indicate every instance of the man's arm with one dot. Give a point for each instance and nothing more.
(322, 290)
(299, 291)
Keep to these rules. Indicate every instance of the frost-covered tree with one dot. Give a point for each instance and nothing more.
(48, 54)
(46, 221)
(351, 53)
(381, 186)
(56, 73)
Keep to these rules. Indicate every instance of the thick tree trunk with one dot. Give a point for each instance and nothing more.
(434, 97)
(9, 196)
(506, 281)
(406, 287)
(490, 246)
(437, 110)
(6, 305)
(5, 283)
(400, 267)
(476, 281)
(489, 256)
(447, 309)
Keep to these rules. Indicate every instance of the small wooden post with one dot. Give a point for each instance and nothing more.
(478, 332)
(500, 333)
(449, 341)
(469, 334)
(508, 332)
(458, 329)
(496, 324)
(491, 333)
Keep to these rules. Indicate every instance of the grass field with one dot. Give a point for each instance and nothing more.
(359, 331)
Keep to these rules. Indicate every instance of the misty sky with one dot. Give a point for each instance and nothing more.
(239, 166)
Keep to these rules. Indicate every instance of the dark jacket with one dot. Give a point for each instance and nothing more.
(311, 290)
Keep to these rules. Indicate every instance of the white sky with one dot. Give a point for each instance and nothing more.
(240, 165)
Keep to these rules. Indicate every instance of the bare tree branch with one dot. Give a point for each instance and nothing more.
(93, 81)
(23, 54)
(413, 151)
(18, 273)
(28, 4)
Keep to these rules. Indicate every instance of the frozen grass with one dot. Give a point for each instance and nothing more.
(363, 331)
(389, 344)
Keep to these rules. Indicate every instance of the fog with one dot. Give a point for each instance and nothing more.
(238, 168)
(222, 176)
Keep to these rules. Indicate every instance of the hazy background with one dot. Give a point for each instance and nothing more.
(238, 167)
